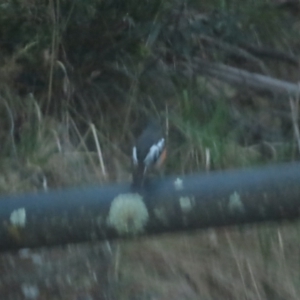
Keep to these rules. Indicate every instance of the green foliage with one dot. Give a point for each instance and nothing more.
(22, 23)
(204, 126)
(99, 60)
(25, 134)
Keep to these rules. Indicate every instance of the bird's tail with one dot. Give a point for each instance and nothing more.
(138, 177)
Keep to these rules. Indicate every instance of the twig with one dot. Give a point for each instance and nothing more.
(93, 128)
(117, 263)
(54, 46)
(294, 104)
(236, 259)
(167, 123)
(12, 128)
(207, 159)
(58, 143)
(254, 281)
(82, 144)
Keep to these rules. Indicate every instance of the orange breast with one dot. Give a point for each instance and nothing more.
(161, 159)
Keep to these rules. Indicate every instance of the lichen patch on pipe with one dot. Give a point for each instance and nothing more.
(235, 204)
(128, 214)
(18, 217)
(186, 204)
(178, 184)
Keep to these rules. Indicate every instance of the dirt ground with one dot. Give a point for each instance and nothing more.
(257, 262)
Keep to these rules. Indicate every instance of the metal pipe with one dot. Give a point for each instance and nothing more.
(167, 205)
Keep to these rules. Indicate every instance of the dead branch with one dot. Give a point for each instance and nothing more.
(244, 78)
(271, 54)
(236, 51)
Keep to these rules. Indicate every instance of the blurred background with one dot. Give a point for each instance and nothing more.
(78, 81)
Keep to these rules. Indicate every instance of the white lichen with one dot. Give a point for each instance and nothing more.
(235, 203)
(178, 184)
(18, 217)
(186, 204)
(128, 214)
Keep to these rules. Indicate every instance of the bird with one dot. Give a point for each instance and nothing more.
(148, 152)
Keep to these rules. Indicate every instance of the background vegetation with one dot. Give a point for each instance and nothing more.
(78, 79)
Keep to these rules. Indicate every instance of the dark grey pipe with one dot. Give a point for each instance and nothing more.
(171, 204)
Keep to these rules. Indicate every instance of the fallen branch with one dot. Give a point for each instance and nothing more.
(244, 78)
(271, 54)
(236, 51)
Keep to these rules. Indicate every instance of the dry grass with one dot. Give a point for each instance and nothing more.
(258, 262)
(220, 264)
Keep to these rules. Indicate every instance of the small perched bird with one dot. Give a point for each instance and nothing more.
(149, 151)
